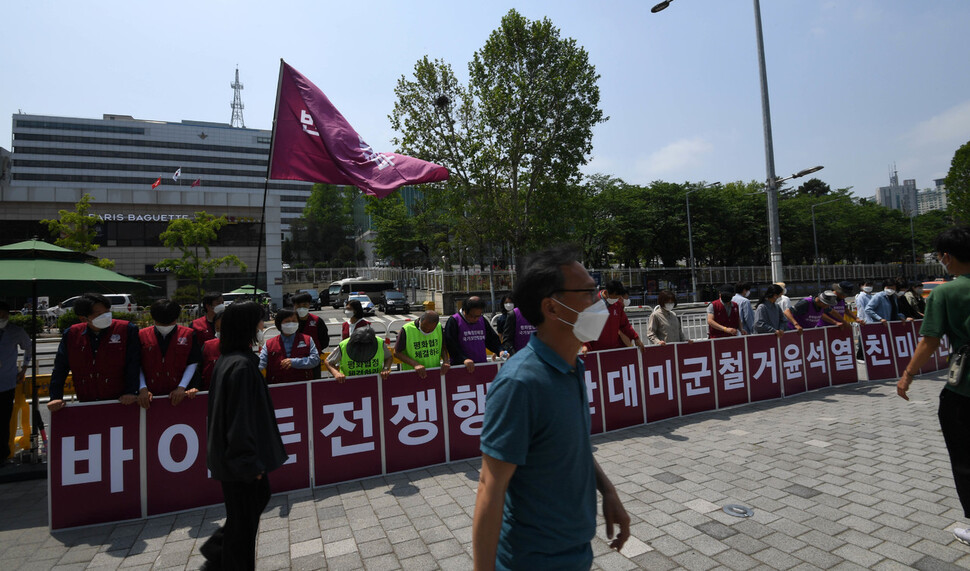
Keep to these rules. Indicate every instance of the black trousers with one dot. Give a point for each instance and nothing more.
(233, 546)
(954, 413)
(6, 411)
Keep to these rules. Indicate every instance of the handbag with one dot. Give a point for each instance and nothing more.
(958, 365)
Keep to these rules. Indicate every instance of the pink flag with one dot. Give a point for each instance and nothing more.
(313, 142)
(197, 182)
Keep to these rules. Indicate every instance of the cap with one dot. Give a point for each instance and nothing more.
(828, 297)
(844, 287)
(726, 288)
(362, 345)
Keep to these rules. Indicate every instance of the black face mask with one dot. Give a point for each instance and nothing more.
(726, 298)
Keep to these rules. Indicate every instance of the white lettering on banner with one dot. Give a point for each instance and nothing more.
(119, 455)
(590, 387)
(816, 356)
(842, 349)
(731, 371)
(383, 161)
(877, 344)
(628, 393)
(288, 430)
(470, 405)
(660, 380)
(904, 346)
(694, 387)
(307, 121)
(791, 361)
(766, 360)
(165, 448)
(340, 421)
(72, 456)
(427, 414)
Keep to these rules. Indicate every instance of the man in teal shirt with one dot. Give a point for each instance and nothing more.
(536, 502)
(948, 313)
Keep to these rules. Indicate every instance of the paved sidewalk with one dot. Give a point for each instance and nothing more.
(844, 478)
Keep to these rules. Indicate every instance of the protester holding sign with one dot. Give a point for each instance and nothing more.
(420, 346)
(947, 309)
(170, 356)
(244, 442)
(363, 353)
(290, 356)
(536, 501)
(468, 335)
(205, 326)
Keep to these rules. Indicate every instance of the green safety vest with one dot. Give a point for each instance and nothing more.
(353, 368)
(425, 349)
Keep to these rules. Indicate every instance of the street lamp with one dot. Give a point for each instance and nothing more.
(818, 279)
(690, 235)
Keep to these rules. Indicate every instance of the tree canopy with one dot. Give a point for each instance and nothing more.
(75, 230)
(192, 237)
(958, 184)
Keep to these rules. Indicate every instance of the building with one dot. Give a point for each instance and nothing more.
(141, 175)
(898, 197)
(933, 198)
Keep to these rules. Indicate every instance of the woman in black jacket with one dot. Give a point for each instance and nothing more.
(244, 442)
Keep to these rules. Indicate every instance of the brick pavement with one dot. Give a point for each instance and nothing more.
(844, 478)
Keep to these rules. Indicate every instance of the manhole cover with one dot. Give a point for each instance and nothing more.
(738, 511)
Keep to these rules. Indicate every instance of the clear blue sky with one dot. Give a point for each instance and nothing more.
(855, 85)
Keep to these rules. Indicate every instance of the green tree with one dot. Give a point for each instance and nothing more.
(76, 230)
(513, 139)
(814, 187)
(958, 184)
(192, 237)
(325, 224)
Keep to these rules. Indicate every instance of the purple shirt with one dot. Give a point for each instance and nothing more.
(471, 338)
(523, 330)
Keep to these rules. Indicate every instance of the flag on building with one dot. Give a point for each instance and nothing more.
(315, 143)
(178, 173)
(197, 182)
(157, 182)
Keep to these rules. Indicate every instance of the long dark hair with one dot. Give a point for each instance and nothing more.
(771, 290)
(239, 324)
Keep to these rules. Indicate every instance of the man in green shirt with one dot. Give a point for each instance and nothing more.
(420, 347)
(948, 313)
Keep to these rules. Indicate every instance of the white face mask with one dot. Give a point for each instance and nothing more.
(164, 329)
(889, 291)
(509, 306)
(626, 302)
(867, 289)
(302, 312)
(348, 313)
(260, 337)
(102, 321)
(609, 300)
(900, 293)
(669, 306)
(217, 334)
(589, 322)
(289, 328)
(219, 308)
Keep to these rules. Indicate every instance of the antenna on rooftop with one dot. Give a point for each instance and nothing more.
(237, 104)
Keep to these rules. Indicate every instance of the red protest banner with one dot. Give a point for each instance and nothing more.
(842, 367)
(346, 429)
(93, 465)
(289, 403)
(816, 357)
(792, 363)
(594, 392)
(465, 394)
(660, 382)
(763, 367)
(695, 366)
(904, 344)
(176, 476)
(414, 433)
(878, 350)
(732, 378)
(622, 396)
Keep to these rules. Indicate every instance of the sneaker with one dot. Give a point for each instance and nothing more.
(962, 535)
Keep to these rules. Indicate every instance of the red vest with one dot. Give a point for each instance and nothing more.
(210, 354)
(275, 355)
(317, 330)
(101, 375)
(204, 329)
(164, 372)
(722, 318)
(345, 329)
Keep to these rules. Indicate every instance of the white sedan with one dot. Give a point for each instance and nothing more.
(365, 303)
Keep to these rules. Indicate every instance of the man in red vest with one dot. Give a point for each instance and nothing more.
(310, 324)
(210, 354)
(724, 315)
(205, 326)
(617, 322)
(102, 354)
(169, 356)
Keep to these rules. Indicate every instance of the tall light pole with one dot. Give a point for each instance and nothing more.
(818, 279)
(690, 236)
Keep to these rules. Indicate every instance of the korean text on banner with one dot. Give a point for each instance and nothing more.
(465, 396)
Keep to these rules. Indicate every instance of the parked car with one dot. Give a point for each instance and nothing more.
(928, 287)
(120, 303)
(365, 303)
(393, 301)
(314, 297)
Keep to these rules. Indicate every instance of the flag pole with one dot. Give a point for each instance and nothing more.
(269, 166)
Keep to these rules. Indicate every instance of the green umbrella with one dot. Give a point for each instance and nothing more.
(250, 289)
(34, 268)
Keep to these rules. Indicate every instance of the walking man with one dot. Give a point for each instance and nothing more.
(536, 501)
